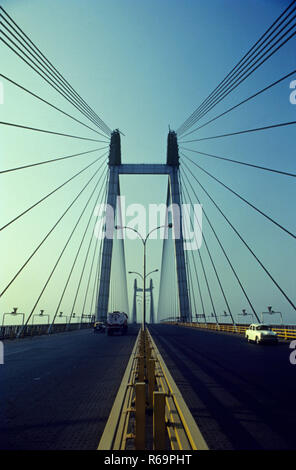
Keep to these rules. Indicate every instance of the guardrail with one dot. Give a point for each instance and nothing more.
(286, 332)
(149, 411)
(11, 331)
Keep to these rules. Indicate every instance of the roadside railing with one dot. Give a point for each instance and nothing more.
(11, 331)
(149, 411)
(286, 332)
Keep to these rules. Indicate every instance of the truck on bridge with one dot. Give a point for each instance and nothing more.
(116, 322)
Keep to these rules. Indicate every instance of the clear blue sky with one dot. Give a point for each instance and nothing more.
(143, 66)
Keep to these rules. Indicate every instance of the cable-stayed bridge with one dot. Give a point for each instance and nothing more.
(186, 357)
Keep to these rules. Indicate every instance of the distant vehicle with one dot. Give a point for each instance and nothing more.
(260, 333)
(99, 327)
(116, 322)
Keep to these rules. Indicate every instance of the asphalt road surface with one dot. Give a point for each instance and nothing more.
(243, 396)
(56, 392)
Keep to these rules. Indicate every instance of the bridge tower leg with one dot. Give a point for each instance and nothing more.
(113, 192)
(152, 320)
(174, 198)
(134, 311)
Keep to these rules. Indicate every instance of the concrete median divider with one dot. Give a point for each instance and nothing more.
(149, 412)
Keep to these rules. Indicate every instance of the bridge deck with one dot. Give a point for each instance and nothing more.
(58, 390)
(241, 395)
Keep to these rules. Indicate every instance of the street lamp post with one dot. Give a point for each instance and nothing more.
(225, 314)
(41, 314)
(211, 316)
(135, 272)
(271, 312)
(61, 315)
(144, 241)
(14, 313)
(245, 313)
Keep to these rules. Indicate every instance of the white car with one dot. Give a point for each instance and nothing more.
(260, 333)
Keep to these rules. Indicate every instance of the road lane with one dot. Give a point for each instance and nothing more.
(242, 395)
(57, 391)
